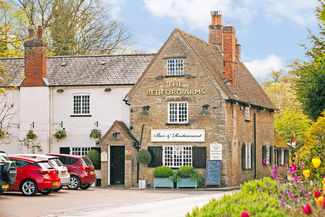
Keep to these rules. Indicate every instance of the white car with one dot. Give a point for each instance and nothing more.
(55, 162)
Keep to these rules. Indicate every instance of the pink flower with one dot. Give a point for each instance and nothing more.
(307, 209)
(264, 161)
(294, 167)
(317, 194)
(244, 214)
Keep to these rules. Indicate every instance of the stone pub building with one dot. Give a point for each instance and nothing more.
(193, 97)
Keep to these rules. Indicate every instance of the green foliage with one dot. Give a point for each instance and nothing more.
(31, 145)
(256, 203)
(94, 156)
(60, 134)
(314, 147)
(266, 184)
(2, 134)
(290, 124)
(96, 134)
(31, 135)
(310, 86)
(143, 156)
(163, 172)
(188, 172)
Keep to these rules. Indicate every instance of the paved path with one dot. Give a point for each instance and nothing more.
(106, 202)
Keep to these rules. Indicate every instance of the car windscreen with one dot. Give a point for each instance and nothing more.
(44, 165)
(87, 161)
(55, 162)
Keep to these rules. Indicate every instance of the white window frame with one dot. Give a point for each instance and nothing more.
(179, 156)
(83, 110)
(248, 156)
(282, 156)
(80, 151)
(178, 112)
(175, 67)
(247, 113)
(267, 154)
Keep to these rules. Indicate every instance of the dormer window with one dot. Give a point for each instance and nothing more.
(175, 67)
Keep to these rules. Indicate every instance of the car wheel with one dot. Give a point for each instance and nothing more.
(29, 188)
(74, 183)
(46, 192)
(86, 186)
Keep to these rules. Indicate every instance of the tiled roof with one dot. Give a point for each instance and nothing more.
(247, 88)
(86, 70)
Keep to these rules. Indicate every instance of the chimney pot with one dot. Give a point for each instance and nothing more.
(40, 32)
(213, 17)
(219, 18)
(31, 32)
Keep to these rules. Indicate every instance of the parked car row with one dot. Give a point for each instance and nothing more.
(33, 173)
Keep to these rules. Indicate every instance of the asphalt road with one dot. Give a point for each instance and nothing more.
(106, 202)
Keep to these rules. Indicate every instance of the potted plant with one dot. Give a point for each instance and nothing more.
(31, 134)
(144, 157)
(95, 133)
(187, 176)
(60, 134)
(2, 134)
(163, 177)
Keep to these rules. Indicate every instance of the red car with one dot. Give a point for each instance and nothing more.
(81, 169)
(34, 175)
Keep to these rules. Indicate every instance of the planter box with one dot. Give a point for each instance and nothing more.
(186, 183)
(162, 183)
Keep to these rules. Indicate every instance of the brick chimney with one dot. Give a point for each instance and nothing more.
(216, 29)
(35, 58)
(225, 38)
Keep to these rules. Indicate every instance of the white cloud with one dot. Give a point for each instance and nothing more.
(114, 7)
(262, 68)
(299, 11)
(196, 13)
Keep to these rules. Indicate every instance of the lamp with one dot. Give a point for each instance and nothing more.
(145, 110)
(189, 76)
(114, 135)
(96, 123)
(159, 77)
(204, 109)
(59, 90)
(32, 125)
(107, 89)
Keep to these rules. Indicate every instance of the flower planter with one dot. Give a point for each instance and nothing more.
(162, 183)
(187, 183)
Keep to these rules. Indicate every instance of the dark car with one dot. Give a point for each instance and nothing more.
(81, 169)
(8, 172)
(34, 175)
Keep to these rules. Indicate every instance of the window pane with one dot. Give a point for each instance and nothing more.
(175, 67)
(177, 156)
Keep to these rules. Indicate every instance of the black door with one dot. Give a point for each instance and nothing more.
(117, 165)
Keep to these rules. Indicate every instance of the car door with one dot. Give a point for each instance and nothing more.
(20, 173)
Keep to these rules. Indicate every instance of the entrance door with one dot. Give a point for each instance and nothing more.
(117, 165)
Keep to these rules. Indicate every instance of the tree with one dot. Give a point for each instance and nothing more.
(281, 91)
(290, 124)
(76, 27)
(12, 26)
(314, 146)
(310, 86)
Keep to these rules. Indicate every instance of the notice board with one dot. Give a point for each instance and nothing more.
(213, 172)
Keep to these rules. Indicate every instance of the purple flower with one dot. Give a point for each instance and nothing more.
(291, 194)
(259, 189)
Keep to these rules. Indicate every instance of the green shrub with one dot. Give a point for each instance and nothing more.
(94, 156)
(143, 156)
(266, 184)
(163, 172)
(185, 171)
(256, 204)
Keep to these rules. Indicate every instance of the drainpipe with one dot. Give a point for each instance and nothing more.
(138, 147)
(255, 113)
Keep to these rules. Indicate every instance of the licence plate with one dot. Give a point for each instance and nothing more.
(64, 172)
(5, 186)
(55, 183)
(92, 172)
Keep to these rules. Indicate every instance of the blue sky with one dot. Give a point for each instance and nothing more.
(269, 31)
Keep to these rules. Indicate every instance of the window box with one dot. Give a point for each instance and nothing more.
(187, 183)
(163, 183)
